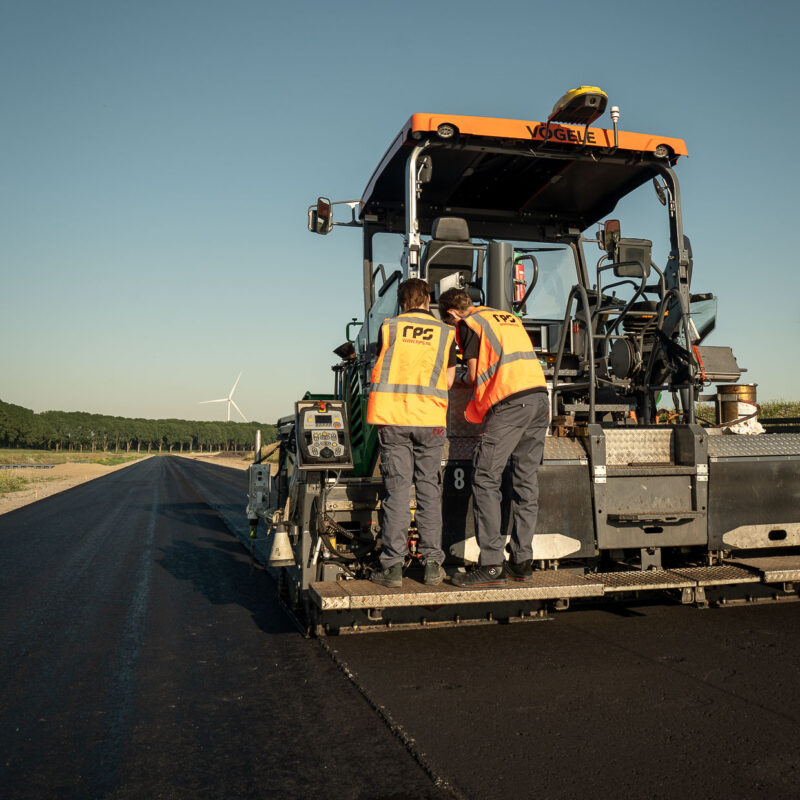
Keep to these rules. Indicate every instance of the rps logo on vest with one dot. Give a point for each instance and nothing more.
(506, 319)
(418, 333)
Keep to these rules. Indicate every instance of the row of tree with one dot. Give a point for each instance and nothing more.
(77, 430)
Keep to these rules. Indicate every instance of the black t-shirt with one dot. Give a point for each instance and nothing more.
(452, 359)
(468, 341)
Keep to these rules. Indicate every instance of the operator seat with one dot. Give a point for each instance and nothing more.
(445, 231)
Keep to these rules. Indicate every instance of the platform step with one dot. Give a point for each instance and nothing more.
(771, 569)
(546, 585)
(677, 578)
(643, 580)
(636, 470)
(721, 575)
(602, 407)
(655, 516)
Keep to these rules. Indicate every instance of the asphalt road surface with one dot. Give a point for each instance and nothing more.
(143, 655)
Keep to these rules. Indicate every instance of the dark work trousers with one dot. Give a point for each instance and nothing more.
(515, 430)
(411, 453)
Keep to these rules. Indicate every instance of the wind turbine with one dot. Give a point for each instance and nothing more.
(229, 400)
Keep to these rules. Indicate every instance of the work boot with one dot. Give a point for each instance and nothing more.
(433, 573)
(482, 577)
(522, 571)
(392, 577)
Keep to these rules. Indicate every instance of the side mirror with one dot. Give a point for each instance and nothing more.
(661, 191)
(320, 219)
(609, 236)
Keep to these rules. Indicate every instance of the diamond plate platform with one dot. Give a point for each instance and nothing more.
(765, 444)
(643, 446)
(456, 424)
(459, 448)
(562, 448)
(556, 448)
(772, 569)
(359, 594)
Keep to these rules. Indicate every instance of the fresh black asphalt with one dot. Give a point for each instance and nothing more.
(144, 656)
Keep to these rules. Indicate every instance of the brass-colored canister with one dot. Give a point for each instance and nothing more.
(728, 398)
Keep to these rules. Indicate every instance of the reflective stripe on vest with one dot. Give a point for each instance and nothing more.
(422, 401)
(503, 373)
(504, 359)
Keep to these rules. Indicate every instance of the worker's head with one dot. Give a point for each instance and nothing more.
(414, 293)
(454, 304)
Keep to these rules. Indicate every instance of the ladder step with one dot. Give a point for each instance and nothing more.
(622, 407)
(655, 516)
(633, 470)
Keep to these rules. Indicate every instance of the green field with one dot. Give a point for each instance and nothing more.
(772, 409)
(9, 482)
(778, 408)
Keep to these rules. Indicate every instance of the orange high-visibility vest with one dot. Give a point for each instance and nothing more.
(507, 363)
(409, 380)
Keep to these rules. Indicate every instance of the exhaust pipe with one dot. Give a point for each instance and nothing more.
(257, 448)
(499, 267)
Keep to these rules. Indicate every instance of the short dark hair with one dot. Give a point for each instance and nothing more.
(453, 298)
(413, 293)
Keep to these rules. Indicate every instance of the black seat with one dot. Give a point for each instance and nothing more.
(442, 262)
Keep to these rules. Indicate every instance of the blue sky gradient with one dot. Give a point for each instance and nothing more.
(158, 160)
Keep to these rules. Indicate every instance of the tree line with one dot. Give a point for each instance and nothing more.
(78, 430)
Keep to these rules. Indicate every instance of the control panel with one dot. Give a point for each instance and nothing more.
(323, 435)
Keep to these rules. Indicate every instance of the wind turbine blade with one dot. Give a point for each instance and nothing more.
(235, 385)
(221, 400)
(239, 410)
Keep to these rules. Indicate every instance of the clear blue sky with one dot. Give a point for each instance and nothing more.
(158, 158)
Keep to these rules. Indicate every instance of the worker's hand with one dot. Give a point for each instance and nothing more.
(462, 375)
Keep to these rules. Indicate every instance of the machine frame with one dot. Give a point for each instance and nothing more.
(628, 505)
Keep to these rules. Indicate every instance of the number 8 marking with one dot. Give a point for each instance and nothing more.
(458, 478)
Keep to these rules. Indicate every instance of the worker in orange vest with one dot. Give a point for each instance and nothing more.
(510, 400)
(408, 400)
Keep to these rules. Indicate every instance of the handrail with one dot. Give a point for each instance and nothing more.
(672, 292)
(577, 289)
